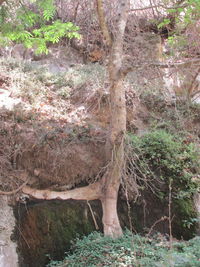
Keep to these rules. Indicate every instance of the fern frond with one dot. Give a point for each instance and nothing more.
(48, 8)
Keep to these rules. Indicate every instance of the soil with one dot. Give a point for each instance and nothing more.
(65, 149)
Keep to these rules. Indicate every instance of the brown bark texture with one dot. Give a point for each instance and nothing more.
(90, 192)
(1, 2)
(102, 22)
(115, 141)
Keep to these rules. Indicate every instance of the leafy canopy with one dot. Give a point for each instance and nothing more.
(168, 161)
(34, 25)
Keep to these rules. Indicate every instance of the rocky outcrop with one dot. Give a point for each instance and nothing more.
(46, 230)
(197, 207)
(8, 253)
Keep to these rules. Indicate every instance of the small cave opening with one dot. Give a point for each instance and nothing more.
(46, 230)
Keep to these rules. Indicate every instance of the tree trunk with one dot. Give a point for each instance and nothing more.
(110, 192)
(115, 141)
(115, 151)
(102, 22)
(110, 219)
(106, 189)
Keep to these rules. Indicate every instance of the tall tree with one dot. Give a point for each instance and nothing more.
(106, 190)
(115, 141)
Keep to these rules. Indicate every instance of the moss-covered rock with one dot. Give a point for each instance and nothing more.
(46, 229)
(185, 221)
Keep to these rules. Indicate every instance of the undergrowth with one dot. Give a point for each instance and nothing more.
(174, 115)
(47, 94)
(162, 160)
(129, 250)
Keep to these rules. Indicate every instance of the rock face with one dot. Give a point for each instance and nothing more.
(197, 207)
(46, 230)
(8, 253)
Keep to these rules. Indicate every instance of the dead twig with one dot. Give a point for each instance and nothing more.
(158, 221)
(93, 217)
(15, 190)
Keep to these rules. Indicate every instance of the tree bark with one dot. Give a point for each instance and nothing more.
(115, 141)
(1, 2)
(90, 192)
(102, 22)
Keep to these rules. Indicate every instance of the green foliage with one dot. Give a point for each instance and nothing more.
(164, 23)
(129, 250)
(48, 8)
(27, 17)
(32, 29)
(167, 159)
(182, 15)
(186, 13)
(51, 33)
(3, 14)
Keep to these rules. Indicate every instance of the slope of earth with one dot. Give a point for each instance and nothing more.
(53, 128)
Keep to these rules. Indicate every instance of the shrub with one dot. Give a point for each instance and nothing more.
(166, 160)
(169, 158)
(129, 250)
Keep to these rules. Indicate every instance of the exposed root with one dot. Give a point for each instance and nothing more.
(90, 192)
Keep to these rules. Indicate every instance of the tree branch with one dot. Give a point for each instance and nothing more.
(1, 2)
(161, 65)
(90, 192)
(175, 64)
(156, 6)
(16, 190)
(102, 22)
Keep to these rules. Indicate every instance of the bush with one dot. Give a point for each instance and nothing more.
(164, 160)
(129, 250)
(168, 158)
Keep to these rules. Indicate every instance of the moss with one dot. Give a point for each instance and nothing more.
(130, 217)
(48, 229)
(170, 162)
(184, 223)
